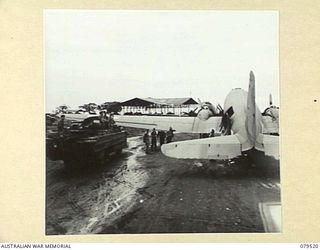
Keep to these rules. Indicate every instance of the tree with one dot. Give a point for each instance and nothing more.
(62, 109)
(89, 107)
(112, 107)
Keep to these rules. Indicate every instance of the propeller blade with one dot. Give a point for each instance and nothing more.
(270, 100)
(200, 102)
(225, 124)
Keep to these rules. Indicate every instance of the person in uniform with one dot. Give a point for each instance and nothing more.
(146, 140)
(111, 121)
(154, 140)
(103, 120)
(162, 136)
(170, 135)
(211, 133)
(61, 125)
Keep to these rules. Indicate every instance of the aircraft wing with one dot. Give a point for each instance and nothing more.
(270, 125)
(221, 147)
(180, 124)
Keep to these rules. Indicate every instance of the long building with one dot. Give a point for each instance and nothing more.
(158, 106)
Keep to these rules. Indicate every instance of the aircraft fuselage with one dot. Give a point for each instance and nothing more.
(245, 118)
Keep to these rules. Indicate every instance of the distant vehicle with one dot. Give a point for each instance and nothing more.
(78, 116)
(85, 143)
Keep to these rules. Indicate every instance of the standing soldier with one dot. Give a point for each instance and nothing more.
(111, 121)
(61, 125)
(107, 120)
(154, 140)
(146, 140)
(162, 136)
(170, 135)
(103, 120)
(211, 133)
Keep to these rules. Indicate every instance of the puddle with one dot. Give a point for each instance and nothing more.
(118, 194)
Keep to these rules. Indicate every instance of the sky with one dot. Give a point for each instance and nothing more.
(99, 56)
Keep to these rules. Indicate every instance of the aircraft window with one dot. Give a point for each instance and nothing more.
(230, 111)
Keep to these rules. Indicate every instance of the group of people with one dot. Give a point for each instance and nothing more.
(105, 121)
(164, 137)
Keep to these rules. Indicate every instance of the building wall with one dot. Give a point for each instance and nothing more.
(159, 110)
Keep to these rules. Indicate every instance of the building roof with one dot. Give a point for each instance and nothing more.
(159, 101)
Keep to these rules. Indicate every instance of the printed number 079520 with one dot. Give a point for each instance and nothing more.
(305, 245)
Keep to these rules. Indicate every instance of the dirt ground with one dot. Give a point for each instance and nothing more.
(151, 193)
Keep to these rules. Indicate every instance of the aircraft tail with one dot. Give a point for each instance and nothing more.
(269, 145)
(253, 126)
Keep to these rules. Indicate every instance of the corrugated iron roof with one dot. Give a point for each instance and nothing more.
(165, 101)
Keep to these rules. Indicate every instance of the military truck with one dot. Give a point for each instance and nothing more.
(85, 143)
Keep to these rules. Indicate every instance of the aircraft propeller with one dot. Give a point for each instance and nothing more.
(206, 110)
(272, 110)
(225, 126)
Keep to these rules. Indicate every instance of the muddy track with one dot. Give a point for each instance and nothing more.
(88, 201)
(139, 193)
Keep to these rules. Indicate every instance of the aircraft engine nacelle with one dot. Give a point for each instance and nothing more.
(204, 114)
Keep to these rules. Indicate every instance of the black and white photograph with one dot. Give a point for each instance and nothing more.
(161, 122)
